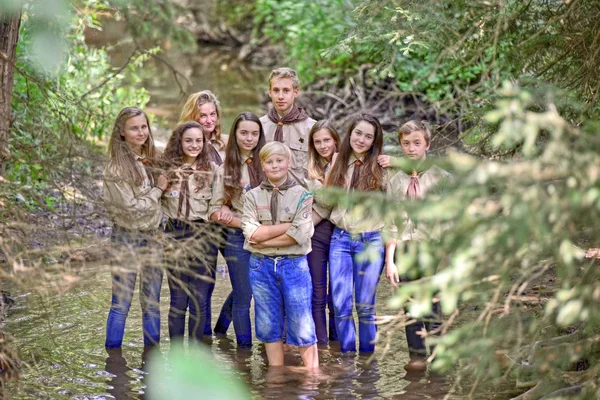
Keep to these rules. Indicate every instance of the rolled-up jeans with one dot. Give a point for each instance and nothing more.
(282, 289)
(143, 259)
(355, 265)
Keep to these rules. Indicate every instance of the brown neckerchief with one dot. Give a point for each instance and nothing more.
(355, 174)
(415, 170)
(296, 114)
(184, 192)
(252, 173)
(413, 192)
(213, 154)
(275, 193)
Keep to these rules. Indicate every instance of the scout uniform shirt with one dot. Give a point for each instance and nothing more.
(315, 186)
(237, 204)
(295, 136)
(431, 180)
(356, 220)
(295, 206)
(131, 206)
(199, 200)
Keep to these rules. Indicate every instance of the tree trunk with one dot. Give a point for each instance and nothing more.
(9, 34)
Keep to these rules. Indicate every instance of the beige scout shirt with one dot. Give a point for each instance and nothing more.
(315, 186)
(429, 181)
(130, 206)
(295, 136)
(357, 219)
(295, 206)
(237, 204)
(201, 200)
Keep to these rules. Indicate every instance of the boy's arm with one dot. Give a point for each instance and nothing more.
(253, 230)
(391, 271)
(279, 241)
(268, 232)
(302, 228)
(249, 222)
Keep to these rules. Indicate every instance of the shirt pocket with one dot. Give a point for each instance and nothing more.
(286, 217)
(264, 217)
(299, 147)
(202, 194)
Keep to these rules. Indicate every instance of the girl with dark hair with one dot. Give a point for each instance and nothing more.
(240, 173)
(323, 143)
(355, 233)
(132, 198)
(188, 203)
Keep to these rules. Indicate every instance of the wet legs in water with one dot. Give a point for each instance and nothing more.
(351, 273)
(416, 345)
(225, 316)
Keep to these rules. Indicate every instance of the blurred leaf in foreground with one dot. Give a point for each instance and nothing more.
(192, 374)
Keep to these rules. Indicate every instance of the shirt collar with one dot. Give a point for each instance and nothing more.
(353, 159)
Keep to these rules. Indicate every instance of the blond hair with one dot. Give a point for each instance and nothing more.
(191, 110)
(272, 148)
(415, 126)
(285, 72)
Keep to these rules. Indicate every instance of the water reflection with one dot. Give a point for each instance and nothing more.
(63, 341)
(116, 367)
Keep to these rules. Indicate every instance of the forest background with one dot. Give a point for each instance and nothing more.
(511, 86)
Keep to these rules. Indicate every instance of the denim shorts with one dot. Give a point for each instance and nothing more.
(281, 286)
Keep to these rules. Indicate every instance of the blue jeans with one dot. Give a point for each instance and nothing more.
(225, 316)
(238, 260)
(220, 244)
(281, 286)
(355, 265)
(190, 280)
(123, 284)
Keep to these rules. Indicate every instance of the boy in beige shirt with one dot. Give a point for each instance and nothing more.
(286, 123)
(423, 178)
(277, 224)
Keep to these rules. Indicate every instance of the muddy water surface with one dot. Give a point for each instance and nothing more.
(61, 338)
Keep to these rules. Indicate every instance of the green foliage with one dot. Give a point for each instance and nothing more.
(307, 29)
(513, 227)
(455, 54)
(54, 109)
(518, 295)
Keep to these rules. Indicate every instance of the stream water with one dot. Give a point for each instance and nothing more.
(61, 336)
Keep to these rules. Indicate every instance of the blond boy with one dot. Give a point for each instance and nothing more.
(277, 224)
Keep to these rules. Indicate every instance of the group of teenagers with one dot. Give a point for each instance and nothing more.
(255, 196)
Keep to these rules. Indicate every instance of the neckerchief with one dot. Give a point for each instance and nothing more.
(296, 114)
(275, 193)
(356, 174)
